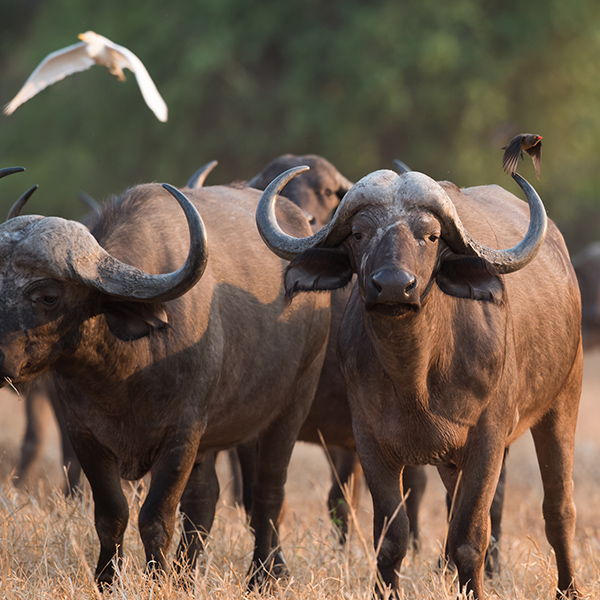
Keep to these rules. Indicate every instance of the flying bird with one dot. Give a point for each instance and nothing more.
(531, 143)
(94, 49)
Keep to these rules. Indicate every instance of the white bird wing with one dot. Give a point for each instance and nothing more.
(127, 59)
(56, 66)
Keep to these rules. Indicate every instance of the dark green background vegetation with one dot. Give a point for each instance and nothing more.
(441, 85)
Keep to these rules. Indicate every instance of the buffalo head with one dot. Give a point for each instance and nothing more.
(318, 192)
(52, 269)
(400, 234)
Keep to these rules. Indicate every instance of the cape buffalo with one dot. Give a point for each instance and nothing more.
(42, 395)
(450, 349)
(158, 365)
(318, 192)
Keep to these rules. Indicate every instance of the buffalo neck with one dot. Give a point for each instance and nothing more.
(106, 368)
(406, 347)
(453, 349)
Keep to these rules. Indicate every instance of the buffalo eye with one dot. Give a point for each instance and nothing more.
(328, 192)
(49, 300)
(433, 238)
(46, 295)
(357, 235)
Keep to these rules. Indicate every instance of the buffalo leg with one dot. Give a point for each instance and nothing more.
(111, 511)
(72, 468)
(492, 555)
(346, 467)
(414, 482)
(237, 488)
(492, 560)
(390, 523)
(267, 501)
(274, 452)
(37, 417)
(275, 446)
(469, 530)
(198, 505)
(554, 442)
(247, 454)
(169, 476)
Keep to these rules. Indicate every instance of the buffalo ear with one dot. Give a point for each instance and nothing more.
(317, 270)
(134, 320)
(470, 277)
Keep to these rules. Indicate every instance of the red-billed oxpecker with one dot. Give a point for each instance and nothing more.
(531, 143)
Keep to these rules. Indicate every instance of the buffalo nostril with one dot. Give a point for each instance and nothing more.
(391, 286)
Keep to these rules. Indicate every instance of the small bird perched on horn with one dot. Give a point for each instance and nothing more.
(94, 49)
(531, 143)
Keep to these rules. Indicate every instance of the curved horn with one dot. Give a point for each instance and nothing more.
(10, 170)
(110, 276)
(279, 242)
(401, 167)
(17, 207)
(199, 177)
(512, 259)
(90, 202)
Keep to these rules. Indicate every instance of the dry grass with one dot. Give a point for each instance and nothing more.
(48, 544)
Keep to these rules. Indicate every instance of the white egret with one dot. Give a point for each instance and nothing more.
(94, 49)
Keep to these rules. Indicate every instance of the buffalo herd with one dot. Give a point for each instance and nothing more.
(397, 320)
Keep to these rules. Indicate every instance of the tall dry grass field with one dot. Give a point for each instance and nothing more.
(48, 545)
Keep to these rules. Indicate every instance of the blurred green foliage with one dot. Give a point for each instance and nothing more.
(440, 85)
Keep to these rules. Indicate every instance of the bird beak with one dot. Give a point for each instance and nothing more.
(81, 36)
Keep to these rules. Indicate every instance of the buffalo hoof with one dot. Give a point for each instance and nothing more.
(157, 570)
(104, 578)
(571, 593)
(492, 560)
(383, 592)
(104, 584)
(264, 575)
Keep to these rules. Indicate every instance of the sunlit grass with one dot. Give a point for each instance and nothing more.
(48, 550)
(48, 544)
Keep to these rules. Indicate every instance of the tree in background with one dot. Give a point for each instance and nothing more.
(440, 85)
